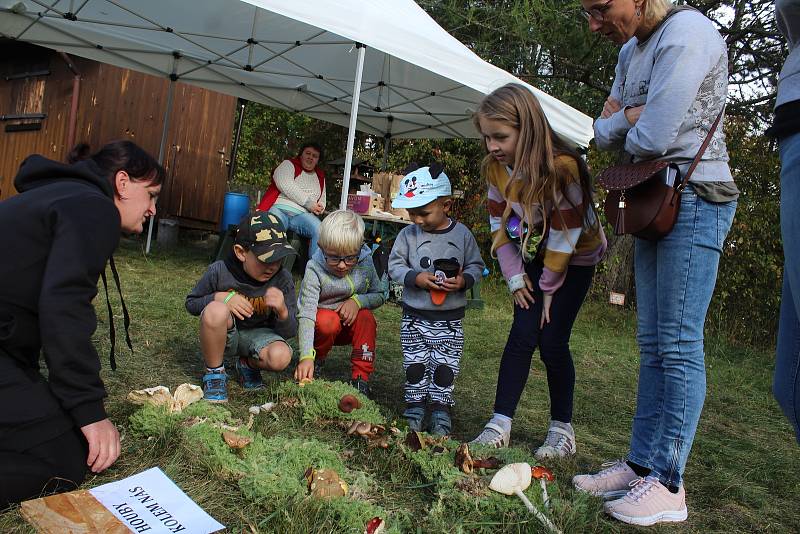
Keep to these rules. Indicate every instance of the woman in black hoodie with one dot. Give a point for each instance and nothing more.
(57, 235)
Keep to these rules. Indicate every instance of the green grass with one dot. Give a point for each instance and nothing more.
(741, 477)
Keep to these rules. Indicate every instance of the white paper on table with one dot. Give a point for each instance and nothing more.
(150, 502)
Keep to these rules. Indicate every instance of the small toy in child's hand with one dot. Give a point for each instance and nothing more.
(445, 268)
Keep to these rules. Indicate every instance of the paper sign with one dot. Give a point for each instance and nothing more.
(616, 298)
(150, 502)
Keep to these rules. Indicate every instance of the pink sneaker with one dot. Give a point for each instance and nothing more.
(612, 482)
(649, 502)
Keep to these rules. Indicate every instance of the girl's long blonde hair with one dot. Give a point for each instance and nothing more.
(534, 158)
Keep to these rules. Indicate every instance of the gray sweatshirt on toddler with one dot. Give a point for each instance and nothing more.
(415, 250)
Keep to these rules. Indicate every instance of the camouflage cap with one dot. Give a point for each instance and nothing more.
(264, 234)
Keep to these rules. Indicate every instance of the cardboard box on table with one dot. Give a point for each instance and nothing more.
(388, 185)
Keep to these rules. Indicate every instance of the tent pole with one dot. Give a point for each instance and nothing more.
(351, 133)
(167, 113)
(387, 142)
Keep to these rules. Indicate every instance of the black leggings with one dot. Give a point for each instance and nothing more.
(552, 340)
(50, 467)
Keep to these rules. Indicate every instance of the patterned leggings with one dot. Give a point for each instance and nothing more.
(431, 355)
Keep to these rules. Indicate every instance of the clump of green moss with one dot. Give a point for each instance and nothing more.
(320, 401)
(153, 421)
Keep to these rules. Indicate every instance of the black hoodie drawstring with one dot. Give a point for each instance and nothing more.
(126, 319)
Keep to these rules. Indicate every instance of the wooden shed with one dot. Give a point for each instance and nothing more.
(50, 101)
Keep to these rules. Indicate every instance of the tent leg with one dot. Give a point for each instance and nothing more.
(387, 143)
(162, 146)
(351, 133)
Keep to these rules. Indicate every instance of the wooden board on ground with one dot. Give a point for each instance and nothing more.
(76, 512)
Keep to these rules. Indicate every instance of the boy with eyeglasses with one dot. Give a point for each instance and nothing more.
(339, 289)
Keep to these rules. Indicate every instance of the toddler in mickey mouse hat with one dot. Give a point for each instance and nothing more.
(436, 259)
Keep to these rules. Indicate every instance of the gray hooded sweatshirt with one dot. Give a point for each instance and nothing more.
(680, 75)
(321, 288)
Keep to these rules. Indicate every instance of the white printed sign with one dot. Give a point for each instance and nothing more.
(150, 502)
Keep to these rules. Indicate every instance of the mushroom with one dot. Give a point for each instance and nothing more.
(415, 441)
(359, 427)
(463, 458)
(157, 396)
(376, 525)
(513, 479)
(486, 463)
(235, 441)
(184, 395)
(323, 483)
(543, 475)
(304, 382)
(348, 403)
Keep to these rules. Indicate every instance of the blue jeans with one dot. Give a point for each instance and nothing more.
(305, 224)
(786, 385)
(675, 279)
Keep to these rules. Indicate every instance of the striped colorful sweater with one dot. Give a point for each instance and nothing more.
(569, 238)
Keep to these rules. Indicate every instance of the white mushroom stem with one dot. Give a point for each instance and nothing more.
(545, 497)
(539, 515)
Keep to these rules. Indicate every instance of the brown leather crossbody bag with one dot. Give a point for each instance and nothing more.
(639, 201)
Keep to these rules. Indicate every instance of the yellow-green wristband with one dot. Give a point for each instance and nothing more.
(311, 356)
(229, 296)
(355, 299)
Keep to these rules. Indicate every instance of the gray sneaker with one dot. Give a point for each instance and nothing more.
(494, 436)
(414, 416)
(559, 443)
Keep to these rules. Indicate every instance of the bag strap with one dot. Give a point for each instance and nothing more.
(702, 150)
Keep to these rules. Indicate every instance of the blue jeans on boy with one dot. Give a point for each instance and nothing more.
(675, 279)
(786, 384)
(305, 224)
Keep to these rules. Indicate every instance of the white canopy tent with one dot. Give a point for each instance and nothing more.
(378, 66)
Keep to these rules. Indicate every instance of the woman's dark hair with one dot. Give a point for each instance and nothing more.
(121, 156)
(311, 144)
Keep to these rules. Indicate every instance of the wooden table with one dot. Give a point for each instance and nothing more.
(385, 227)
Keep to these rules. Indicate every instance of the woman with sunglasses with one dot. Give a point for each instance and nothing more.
(339, 289)
(670, 85)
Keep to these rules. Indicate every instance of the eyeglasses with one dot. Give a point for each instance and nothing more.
(597, 13)
(334, 261)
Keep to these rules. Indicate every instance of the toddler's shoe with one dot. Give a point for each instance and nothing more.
(649, 502)
(440, 423)
(414, 416)
(493, 435)
(249, 378)
(362, 386)
(215, 387)
(612, 482)
(559, 442)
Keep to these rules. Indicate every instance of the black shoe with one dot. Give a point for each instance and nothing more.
(362, 386)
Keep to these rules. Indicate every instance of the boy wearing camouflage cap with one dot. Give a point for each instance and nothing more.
(247, 307)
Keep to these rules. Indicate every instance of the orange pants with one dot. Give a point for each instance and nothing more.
(330, 331)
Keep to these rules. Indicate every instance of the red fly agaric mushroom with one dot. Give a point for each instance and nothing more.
(376, 525)
(543, 475)
(348, 403)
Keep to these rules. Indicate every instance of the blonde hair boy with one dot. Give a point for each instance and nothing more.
(342, 231)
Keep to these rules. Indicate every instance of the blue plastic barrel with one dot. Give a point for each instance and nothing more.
(235, 206)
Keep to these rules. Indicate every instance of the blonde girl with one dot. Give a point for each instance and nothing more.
(546, 237)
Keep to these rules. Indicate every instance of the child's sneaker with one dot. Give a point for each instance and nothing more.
(493, 435)
(612, 482)
(559, 442)
(649, 502)
(249, 378)
(362, 386)
(215, 387)
(440, 423)
(414, 416)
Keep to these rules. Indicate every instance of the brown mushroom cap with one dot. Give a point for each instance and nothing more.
(348, 403)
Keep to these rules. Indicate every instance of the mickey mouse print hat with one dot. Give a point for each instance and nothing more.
(422, 185)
